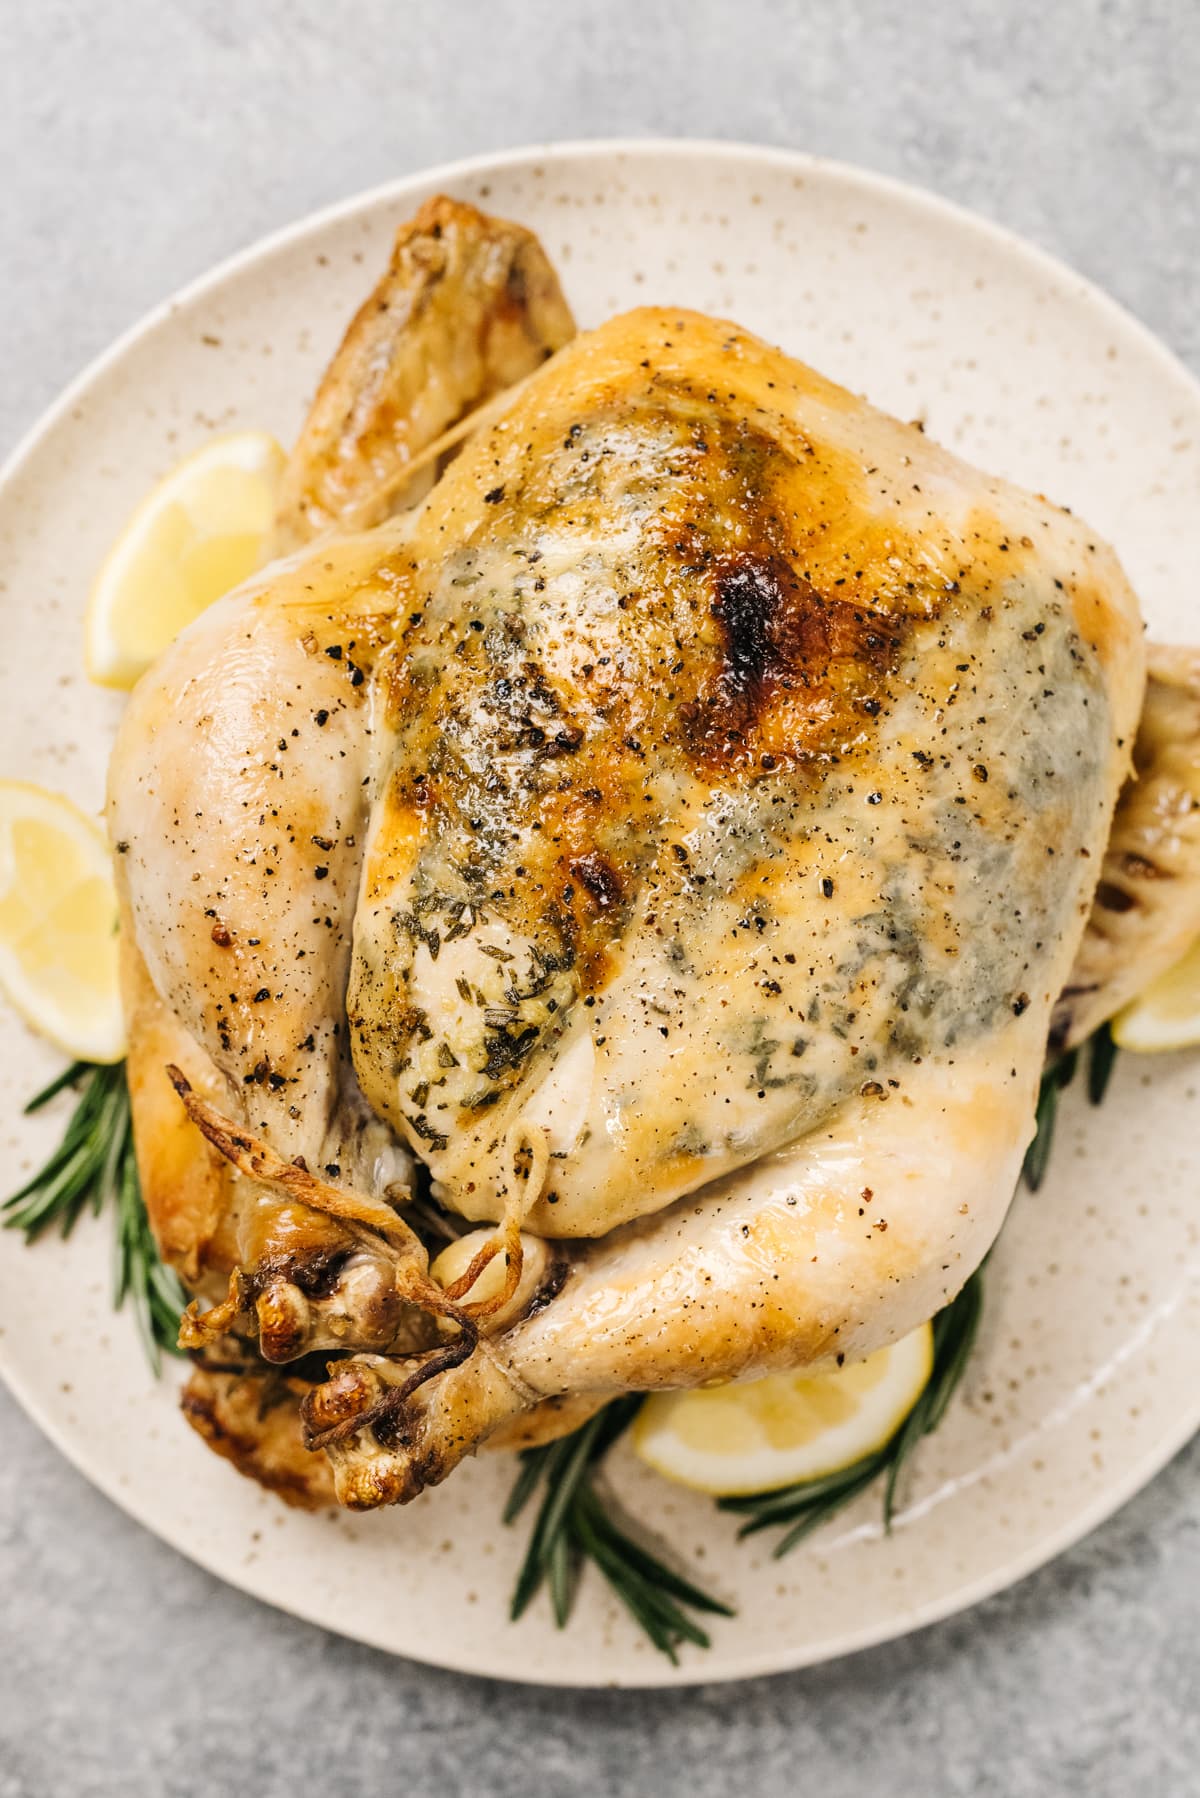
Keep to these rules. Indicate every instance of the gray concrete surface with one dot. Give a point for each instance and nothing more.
(142, 140)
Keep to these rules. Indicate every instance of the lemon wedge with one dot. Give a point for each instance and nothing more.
(1167, 1014)
(758, 1435)
(58, 923)
(202, 531)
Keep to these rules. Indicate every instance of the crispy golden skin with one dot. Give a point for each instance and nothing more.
(469, 306)
(253, 1420)
(721, 734)
(186, 1185)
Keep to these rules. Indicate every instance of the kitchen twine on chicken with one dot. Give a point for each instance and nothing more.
(525, 1141)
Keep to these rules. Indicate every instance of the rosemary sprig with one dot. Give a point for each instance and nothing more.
(1101, 1053)
(800, 1508)
(573, 1526)
(94, 1166)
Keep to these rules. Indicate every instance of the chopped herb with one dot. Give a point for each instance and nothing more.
(426, 1131)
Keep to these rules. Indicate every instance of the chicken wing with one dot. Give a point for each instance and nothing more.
(468, 307)
(252, 1419)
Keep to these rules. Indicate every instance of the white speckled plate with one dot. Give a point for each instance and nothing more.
(1085, 1380)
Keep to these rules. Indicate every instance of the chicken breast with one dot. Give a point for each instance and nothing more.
(715, 744)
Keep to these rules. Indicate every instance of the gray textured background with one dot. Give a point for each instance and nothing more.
(142, 141)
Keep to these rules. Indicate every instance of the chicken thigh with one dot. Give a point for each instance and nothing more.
(674, 835)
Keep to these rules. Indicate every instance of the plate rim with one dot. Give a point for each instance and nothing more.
(1040, 261)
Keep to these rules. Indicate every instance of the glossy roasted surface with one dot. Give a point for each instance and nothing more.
(702, 775)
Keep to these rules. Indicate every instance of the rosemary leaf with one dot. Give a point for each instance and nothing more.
(955, 1329)
(763, 1504)
(558, 1578)
(573, 1527)
(642, 1562)
(523, 1490)
(69, 1077)
(94, 1167)
(811, 1520)
(556, 1458)
(809, 1503)
(1100, 1063)
(1064, 1068)
(561, 1490)
(1037, 1155)
(1101, 1052)
(613, 1421)
(650, 1606)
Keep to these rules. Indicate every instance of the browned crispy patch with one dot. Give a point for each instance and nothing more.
(253, 1420)
(793, 668)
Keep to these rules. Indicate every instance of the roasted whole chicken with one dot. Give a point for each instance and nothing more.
(641, 836)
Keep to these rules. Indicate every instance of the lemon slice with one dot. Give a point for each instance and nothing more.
(1167, 1014)
(202, 531)
(757, 1435)
(58, 923)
